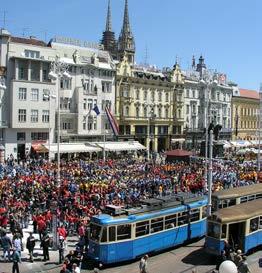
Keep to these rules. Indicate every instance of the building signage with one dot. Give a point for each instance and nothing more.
(77, 42)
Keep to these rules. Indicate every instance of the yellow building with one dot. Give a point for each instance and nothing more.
(245, 109)
(146, 104)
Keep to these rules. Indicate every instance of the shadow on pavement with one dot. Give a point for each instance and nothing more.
(199, 257)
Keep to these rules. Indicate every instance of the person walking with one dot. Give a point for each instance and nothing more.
(61, 249)
(6, 245)
(143, 264)
(45, 243)
(30, 245)
(243, 266)
(16, 261)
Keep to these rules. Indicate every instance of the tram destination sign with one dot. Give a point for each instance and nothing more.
(77, 42)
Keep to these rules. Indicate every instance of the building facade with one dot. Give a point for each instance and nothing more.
(30, 102)
(245, 114)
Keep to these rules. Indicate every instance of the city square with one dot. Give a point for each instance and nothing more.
(110, 164)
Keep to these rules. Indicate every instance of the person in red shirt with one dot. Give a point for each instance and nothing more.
(62, 231)
(41, 225)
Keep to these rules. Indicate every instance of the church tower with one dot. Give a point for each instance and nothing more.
(108, 40)
(126, 42)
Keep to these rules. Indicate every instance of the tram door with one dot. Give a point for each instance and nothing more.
(236, 235)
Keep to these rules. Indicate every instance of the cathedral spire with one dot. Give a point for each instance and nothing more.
(108, 39)
(126, 42)
(109, 18)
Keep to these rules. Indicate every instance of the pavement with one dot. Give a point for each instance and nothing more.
(38, 265)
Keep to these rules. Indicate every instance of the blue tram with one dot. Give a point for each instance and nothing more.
(234, 196)
(160, 223)
(240, 225)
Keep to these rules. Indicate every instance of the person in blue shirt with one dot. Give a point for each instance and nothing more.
(16, 261)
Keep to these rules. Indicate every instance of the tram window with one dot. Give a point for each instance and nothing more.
(182, 218)
(157, 224)
(142, 228)
(251, 197)
(260, 222)
(112, 234)
(204, 212)
(213, 230)
(123, 232)
(104, 235)
(253, 224)
(194, 215)
(258, 196)
(224, 231)
(243, 199)
(170, 221)
(231, 202)
(95, 232)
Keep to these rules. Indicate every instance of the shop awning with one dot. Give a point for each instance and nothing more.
(120, 146)
(180, 140)
(67, 148)
(39, 148)
(241, 143)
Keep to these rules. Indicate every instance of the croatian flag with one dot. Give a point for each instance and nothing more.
(112, 121)
(96, 110)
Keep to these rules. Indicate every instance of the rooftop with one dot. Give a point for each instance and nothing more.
(251, 94)
(29, 41)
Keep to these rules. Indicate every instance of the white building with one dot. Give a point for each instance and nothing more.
(29, 103)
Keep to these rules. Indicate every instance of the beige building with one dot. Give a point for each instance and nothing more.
(245, 109)
(146, 107)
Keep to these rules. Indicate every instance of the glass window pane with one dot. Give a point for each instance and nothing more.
(253, 225)
(104, 234)
(112, 234)
(123, 232)
(142, 228)
(170, 221)
(156, 225)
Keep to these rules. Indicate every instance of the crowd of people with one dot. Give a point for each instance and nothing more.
(29, 191)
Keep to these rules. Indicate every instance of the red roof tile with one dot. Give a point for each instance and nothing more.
(30, 41)
(251, 94)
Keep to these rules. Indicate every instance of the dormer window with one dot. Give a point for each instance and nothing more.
(32, 54)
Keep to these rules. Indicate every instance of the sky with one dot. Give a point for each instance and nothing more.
(227, 32)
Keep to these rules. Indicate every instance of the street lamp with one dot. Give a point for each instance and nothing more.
(49, 97)
(58, 72)
(208, 83)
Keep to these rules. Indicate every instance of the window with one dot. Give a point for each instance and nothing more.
(123, 232)
(187, 109)
(260, 222)
(86, 85)
(32, 54)
(194, 215)
(142, 228)
(218, 96)
(137, 112)
(45, 116)
(95, 232)
(46, 95)
(22, 115)
(112, 234)
(167, 97)
(39, 136)
(84, 125)
(170, 221)
(254, 224)
(20, 136)
(84, 104)
(45, 69)
(35, 71)
(166, 112)
(34, 94)
(126, 111)
(145, 111)
(224, 231)
(159, 112)
(182, 218)
(156, 225)
(187, 93)
(159, 95)
(153, 95)
(67, 126)
(34, 115)
(125, 92)
(137, 94)
(179, 113)
(90, 104)
(106, 87)
(65, 83)
(213, 230)
(22, 94)
(145, 95)
(104, 235)
(22, 70)
(193, 93)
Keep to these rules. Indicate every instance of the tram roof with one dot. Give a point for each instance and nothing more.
(238, 191)
(238, 212)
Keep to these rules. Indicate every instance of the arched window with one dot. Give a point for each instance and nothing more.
(167, 97)
(166, 113)
(137, 94)
(127, 111)
(145, 111)
(179, 113)
(160, 111)
(137, 111)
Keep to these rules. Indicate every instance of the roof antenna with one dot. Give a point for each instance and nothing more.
(146, 56)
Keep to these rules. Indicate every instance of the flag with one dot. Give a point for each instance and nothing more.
(112, 121)
(96, 110)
